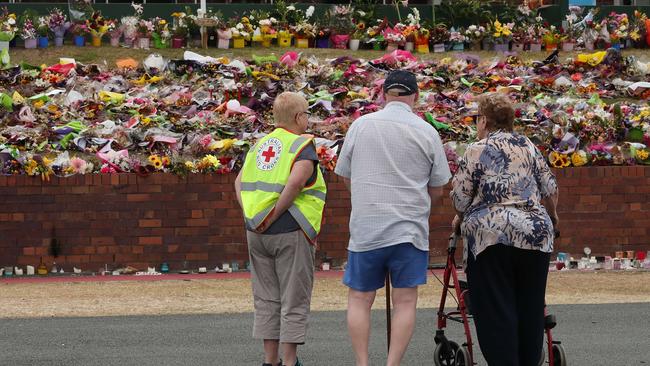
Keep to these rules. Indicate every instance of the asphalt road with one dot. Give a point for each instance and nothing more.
(613, 334)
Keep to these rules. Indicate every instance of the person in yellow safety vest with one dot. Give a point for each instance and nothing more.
(282, 193)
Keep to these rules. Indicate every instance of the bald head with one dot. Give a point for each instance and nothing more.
(287, 110)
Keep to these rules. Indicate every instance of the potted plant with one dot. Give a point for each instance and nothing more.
(58, 25)
(342, 25)
(551, 38)
(79, 30)
(288, 16)
(129, 25)
(638, 29)
(410, 29)
(474, 35)
(43, 31)
(97, 28)
(179, 29)
(439, 36)
(114, 31)
(160, 34)
(393, 37)
(571, 32)
(618, 28)
(457, 40)
(145, 29)
(241, 33)
(28, 32)
(519, 38)
(502, 34)
(422, 37)
(8, 28)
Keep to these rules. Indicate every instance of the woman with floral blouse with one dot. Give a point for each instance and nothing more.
(505, 196)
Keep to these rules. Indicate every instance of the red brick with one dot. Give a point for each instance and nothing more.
(172, 248)
(150, 240)
(138, 249)
(103, 240)
(197, 214)
(150, 223)
(20, 217)
(197, 222)
(137, 197)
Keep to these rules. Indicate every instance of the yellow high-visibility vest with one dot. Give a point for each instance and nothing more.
(265, 174)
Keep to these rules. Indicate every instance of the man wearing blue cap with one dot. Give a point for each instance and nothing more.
(394, 164)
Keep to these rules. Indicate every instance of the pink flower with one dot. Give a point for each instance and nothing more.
(107, 169)
(79, 165)
(205, 141)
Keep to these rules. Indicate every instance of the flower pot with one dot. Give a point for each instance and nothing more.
(550, 46)
(43, 42)
(144, 43)
(517, 47)
(322, 43)
(475, 46)
(568, 46)
(485, 44)
(159, 43)
(58, 41)
(409, 46)
(439, 48)
(223, 43)
(79, 41)
(284, 40)
(590, 46)
(340, 41)
(422, 47)
(302, 43)
(178, 42)
(266, 41)
(458, 46)
(354, 44)
(535, 47)
(501, 47)
(31, 43)
(115, 41)
(96, 41)
(238, 43)
(129, 42)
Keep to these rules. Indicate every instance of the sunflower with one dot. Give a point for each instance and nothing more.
(153, 158)
(166, 161)
(361, 26)
(558, 160)
(579, 158)
(642, 154)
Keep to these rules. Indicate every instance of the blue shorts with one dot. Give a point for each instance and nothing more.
(366, 271)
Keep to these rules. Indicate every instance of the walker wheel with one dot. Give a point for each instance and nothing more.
(559, 357)
(445, 357)
(463, 358)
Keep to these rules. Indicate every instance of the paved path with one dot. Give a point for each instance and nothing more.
(613, 334)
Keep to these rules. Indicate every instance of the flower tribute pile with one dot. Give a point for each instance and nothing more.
(201, 114)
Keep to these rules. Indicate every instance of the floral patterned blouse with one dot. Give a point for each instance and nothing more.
(499, 186)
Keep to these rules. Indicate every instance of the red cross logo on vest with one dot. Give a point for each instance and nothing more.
(268, 154)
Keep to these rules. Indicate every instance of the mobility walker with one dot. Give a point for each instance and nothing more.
(449, 353)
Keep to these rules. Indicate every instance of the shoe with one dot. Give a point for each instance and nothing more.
(270, 364)
(297, 363)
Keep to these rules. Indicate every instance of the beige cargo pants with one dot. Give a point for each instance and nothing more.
(282, 267)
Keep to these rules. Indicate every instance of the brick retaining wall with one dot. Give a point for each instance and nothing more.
(127, 219)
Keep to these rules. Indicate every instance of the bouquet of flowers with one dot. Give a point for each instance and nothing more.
(43, 28)
(552, 36)
(637, 26)
(243, 29)
(341, 19)
(618, 27)
(130, 23)
(591, 31)
(572, 32)
(28, 30)
(535, 30)
(457, 36)
(440, 34)
(97, 25)
(79, 29)
(394, 35)
(179, 25)
(58, 23)
(502, 33)
(113, 29)
(475, 33)
(161, 34)
(305, 28)
(8, 25)
(145, 28)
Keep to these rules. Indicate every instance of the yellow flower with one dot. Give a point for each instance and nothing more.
(145, 121)
(579, 158)
(642, 154)
(158, 164)
(559, 160)
(162, 22)
(153, 158)
(190, 165)
(225, 144)
(166, 160)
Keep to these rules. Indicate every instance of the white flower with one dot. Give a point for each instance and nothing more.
(273, 20)
(12, 21)
(251, 17)
(291, 8)
(539, 19)
(310, 12)
(240, 26)
(477, 33)
(361, 13)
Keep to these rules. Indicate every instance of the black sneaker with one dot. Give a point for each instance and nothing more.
(297, 363)
(270, 364)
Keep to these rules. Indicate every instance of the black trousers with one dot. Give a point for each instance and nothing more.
(507, 286)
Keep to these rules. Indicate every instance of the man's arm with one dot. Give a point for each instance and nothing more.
(300, 173)
(436, 195)
(238, 189)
